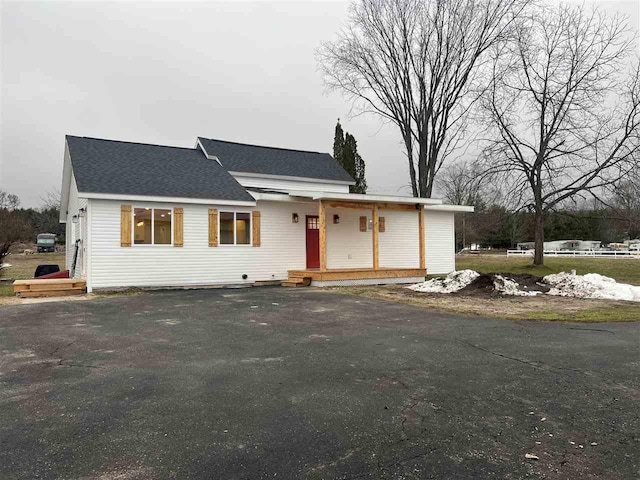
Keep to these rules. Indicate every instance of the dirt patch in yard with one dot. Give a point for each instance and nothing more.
(482, 300)
(484, 285)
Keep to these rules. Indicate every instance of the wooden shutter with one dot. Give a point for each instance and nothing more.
(363, 224)
(178, 228)
(381, 224)
(255, 224)
(125, 225)
(213, 227)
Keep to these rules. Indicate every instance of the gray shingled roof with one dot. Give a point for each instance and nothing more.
(238, 157)
(108, 166)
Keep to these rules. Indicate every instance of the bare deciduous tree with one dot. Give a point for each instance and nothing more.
(12, 225)
(564, 119)
(625, 203)
(462, 183)
(52, 200)
(416, 63)
(9, 200)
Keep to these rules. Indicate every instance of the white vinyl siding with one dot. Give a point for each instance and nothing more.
(399, 244)
(75, 231)
(283, 248)
(347, 246)
(440, 242)
(287, 185)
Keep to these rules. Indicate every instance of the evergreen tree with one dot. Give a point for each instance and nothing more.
(338, 144)
(345, 151)
(349, 155)
(361, 182)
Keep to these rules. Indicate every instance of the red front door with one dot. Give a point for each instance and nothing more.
(313, 242)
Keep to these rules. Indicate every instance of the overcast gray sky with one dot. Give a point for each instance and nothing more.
(166, 73)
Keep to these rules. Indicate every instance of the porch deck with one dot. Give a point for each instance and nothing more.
(318, 275)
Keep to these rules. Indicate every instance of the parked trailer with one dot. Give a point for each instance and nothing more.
(578, 253)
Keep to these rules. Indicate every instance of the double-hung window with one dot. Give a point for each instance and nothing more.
(235, 228)
(152, 226)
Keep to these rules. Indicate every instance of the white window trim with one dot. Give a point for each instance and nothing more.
(235, 243)
(153, 233)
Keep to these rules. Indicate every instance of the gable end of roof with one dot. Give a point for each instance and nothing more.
(138, 169)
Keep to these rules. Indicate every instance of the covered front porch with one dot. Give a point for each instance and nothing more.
(383, 241)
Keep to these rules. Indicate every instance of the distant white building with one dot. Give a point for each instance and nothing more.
(564, 245)
(633, 244)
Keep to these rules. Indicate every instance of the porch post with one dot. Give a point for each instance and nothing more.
(376, 227)
(421, 233)
(322, 225)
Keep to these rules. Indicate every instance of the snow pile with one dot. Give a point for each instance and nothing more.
(591, 285)
(451, 283)
(4, 265)
(562, 284)
(509, 286)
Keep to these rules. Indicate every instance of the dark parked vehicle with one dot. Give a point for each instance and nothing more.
(46, 269)
(46, 242)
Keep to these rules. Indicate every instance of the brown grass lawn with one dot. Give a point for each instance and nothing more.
(624, 270)
(508, 307)
(24, 266)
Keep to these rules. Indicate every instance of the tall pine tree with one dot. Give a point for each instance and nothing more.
(345, 151)
(338, 143)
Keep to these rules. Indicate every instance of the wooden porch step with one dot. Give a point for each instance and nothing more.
(297, 282)
(52, 293)
(52, 287)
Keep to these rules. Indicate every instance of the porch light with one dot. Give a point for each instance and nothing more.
(74, 219)
(81, 212)
(336, 219)
(294, 217)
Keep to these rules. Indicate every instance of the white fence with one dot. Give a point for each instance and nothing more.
(578, 253)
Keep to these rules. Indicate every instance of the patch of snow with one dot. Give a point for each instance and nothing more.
(5, 265)
(591, 285)
(451, 283)
(508, 286)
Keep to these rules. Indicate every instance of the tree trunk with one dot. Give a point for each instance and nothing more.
(538, 258)
(464, 233)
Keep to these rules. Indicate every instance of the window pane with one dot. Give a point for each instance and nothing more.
(312, 223)
(161, 226)
(142, 226)
(226, 228)
(243, 228)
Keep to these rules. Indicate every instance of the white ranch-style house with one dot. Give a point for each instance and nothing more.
(225, 213)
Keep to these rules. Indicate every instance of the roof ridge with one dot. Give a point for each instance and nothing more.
(264, 146)
(133, 143)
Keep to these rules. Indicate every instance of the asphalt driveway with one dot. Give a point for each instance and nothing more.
(300, 383)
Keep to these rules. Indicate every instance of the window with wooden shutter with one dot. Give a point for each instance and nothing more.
(363, 224)
(178, 229)
(213, 227)
(125, 225)
(255, 218)
(381, 224)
